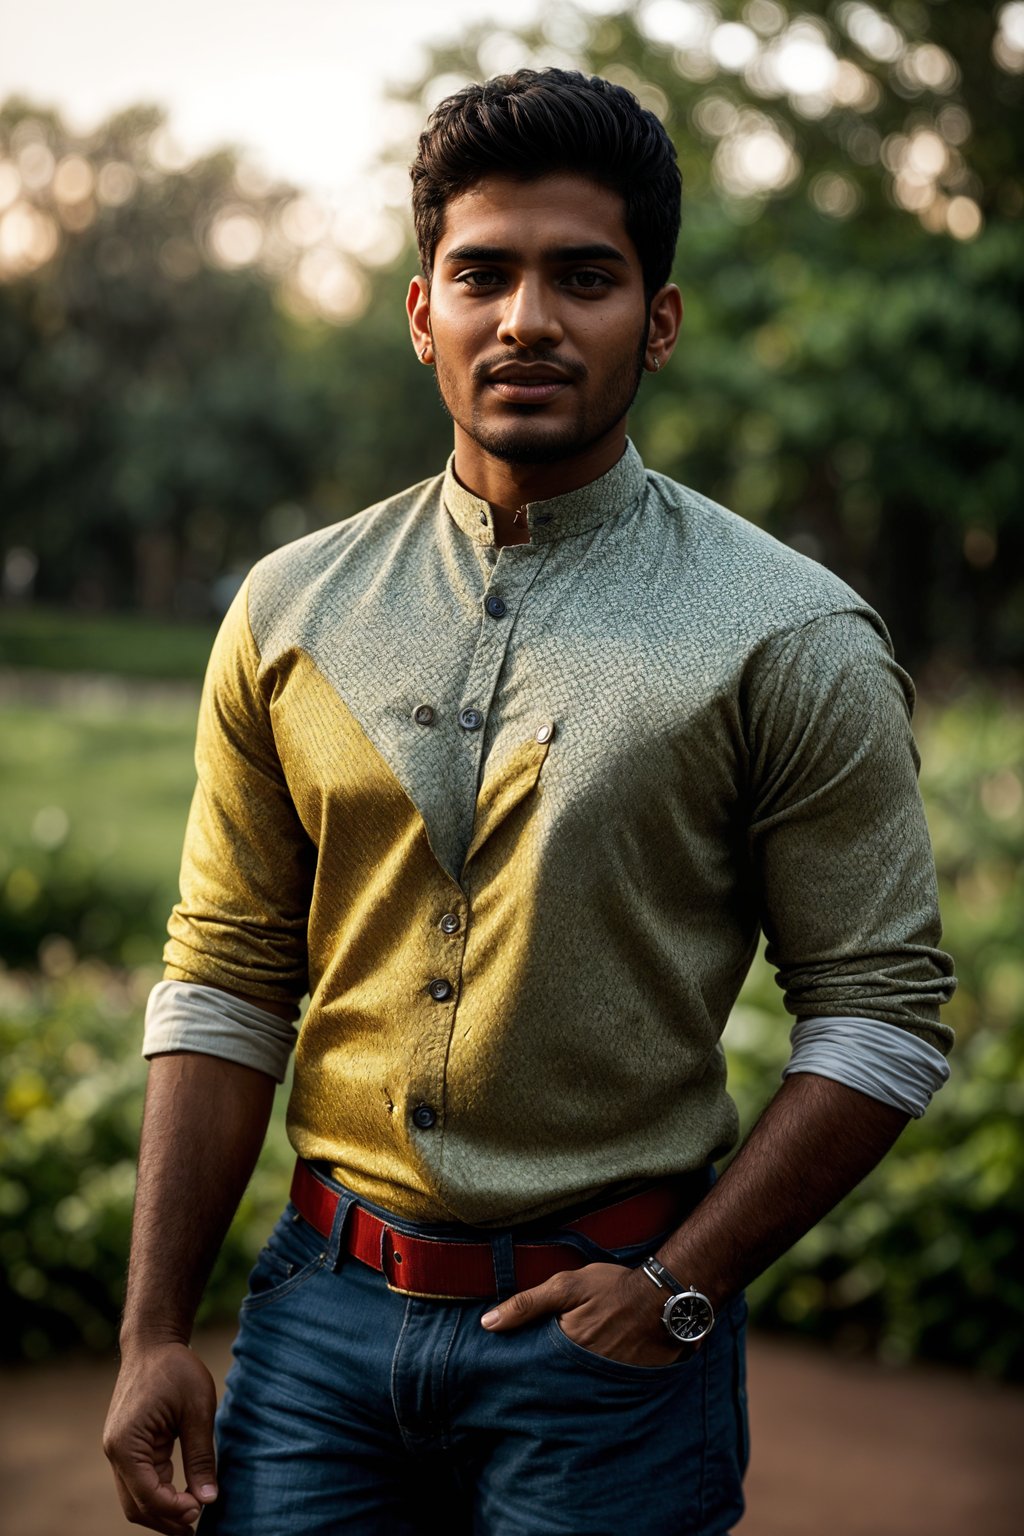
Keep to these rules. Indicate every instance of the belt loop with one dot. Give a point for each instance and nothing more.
(503, 1254)
(334, 1242)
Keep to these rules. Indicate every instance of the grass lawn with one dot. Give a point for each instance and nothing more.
(122, 643)
(106, 778)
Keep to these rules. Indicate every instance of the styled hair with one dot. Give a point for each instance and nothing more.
(537, 122)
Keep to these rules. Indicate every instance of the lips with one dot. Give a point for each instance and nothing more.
(528, 383)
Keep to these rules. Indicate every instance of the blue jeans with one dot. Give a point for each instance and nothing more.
(351, 1408)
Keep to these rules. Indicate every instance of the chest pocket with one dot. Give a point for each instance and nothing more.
(507, 788)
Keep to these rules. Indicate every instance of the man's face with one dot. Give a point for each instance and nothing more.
(536, 316)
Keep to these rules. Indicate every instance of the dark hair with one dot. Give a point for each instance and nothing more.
(537, 122)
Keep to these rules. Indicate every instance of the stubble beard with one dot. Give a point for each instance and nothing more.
(520, 441)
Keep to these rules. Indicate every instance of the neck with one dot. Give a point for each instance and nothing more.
(510, 487)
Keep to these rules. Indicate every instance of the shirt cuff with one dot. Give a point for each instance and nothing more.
(878, 1059)
(186, 1016)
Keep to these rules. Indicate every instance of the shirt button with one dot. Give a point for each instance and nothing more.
(496, 607)
(470, 719)
(440, 989)
(545, 732)
(449, 923)
(423, 714)
(424, 1117)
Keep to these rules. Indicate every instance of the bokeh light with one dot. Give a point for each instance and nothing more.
(235, 238)
(73, 180)
(754, 158)
(678, 23)
(28, 239)
(733, 45)
(115, 183)
(1008, 43)
(873, 33)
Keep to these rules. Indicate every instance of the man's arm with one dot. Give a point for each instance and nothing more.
(239, 928)
(815, 1141)
(203, 1126)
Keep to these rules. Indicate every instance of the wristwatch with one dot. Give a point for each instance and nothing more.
(687, 1314)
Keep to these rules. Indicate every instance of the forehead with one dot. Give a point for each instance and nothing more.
(558, 210)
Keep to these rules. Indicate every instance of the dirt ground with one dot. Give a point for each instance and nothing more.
(840, 1448)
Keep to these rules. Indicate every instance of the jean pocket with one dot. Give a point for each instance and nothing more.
(293, 1253)
(619, 1370)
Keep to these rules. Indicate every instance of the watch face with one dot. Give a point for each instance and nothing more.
(688, 1317)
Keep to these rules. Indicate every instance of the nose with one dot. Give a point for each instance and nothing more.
(530, 318)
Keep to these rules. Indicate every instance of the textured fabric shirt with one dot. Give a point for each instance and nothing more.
(515, 819)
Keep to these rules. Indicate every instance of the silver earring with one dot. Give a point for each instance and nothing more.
(655, 364)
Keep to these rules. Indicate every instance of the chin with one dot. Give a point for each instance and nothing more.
(522, 444)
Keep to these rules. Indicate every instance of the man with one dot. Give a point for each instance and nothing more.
(509, 771)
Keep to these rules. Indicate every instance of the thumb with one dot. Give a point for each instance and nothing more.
(197, 1451)
(555, 1295)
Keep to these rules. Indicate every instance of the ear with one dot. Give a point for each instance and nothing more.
(417, 306)
(663, 327)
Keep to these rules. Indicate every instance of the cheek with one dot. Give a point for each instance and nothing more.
(455, 329)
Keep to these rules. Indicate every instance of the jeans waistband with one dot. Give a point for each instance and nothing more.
(458, 1262)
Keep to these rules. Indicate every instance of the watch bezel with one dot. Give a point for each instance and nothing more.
(690, 1295)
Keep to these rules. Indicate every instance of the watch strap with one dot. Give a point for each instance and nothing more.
(662, 1278)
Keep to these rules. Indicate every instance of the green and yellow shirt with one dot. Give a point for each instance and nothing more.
(515, 818)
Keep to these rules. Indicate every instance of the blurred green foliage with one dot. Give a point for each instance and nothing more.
(924, 1259)
(128, 645)
(97, 779)
(71, 1085)
(847, 374)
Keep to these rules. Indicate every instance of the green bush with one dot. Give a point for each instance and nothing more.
(57, 904)
(71, 1085)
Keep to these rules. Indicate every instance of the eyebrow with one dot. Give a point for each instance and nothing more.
(556, 253)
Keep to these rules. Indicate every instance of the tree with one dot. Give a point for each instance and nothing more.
(851, 259)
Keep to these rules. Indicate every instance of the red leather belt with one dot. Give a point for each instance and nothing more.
(454, 1270)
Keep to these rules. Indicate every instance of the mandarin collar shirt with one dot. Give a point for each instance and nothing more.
(516, 817)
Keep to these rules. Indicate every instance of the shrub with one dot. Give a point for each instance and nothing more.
(71, 1086)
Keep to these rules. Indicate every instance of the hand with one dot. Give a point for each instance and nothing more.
(600, 1307)
(164, 1392)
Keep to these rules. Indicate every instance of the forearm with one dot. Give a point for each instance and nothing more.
(814, 1142)
(203, 1127)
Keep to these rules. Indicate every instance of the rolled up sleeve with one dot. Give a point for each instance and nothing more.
(838, 840)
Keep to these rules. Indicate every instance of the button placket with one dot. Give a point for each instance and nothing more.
(514, 572)
(444, 943)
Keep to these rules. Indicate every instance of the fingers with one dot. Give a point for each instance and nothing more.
(163, 1394)
(144, 1477)
(161, 1508)
(197, 1449)
(556, 1295)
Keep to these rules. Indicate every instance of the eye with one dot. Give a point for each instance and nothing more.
(479, 278)
(589, 279)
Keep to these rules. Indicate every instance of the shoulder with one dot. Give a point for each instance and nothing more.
(288, 584)
(768, 589)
